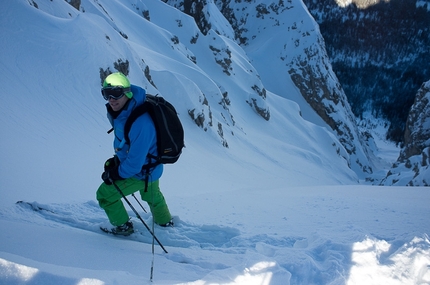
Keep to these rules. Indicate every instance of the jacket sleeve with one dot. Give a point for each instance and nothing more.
(143, 140)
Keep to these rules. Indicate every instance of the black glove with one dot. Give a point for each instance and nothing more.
(111, 175)
(111, 163)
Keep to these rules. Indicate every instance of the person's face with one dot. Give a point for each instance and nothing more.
(118, 104)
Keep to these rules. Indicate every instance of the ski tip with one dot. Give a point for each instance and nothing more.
(24, 203)
(106, 230)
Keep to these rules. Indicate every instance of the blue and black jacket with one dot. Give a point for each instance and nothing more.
(143, 139)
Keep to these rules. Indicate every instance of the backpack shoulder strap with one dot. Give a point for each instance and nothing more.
(136, 113)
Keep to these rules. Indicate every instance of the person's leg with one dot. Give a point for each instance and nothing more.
(110, 199)
(156, 202)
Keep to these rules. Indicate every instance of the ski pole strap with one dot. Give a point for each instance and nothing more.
(146, 181)
(153, 238)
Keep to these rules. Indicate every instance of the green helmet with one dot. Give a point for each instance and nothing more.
(118, 79)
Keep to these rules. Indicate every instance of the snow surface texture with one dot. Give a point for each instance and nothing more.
(278, 206)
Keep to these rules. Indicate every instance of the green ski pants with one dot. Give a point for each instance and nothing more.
(110, 200)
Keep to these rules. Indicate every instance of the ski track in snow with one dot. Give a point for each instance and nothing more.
(313, 260)
(213, 238)
(89, 216)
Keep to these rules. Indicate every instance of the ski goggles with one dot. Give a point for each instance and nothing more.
(114, 92)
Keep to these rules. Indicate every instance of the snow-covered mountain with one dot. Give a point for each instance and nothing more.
(413, 165)
(379, 51)
(294, 50)
(217, 91)
(266, 190)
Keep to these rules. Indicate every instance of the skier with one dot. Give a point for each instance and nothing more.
(125, 168)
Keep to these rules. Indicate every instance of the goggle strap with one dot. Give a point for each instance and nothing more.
(124, 89)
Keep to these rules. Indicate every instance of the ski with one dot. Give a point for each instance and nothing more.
(90, 217)
(111, 232)
(106, 230)
(34, 206)
(38, 208)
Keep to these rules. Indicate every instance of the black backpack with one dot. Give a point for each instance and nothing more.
(170, 133)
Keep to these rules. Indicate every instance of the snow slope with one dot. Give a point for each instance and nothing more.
(279, 205)
(317, 235)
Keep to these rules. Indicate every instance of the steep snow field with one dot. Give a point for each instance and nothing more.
(278, 206)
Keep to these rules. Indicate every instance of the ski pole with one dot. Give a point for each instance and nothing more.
(139, 203)
(138, 216)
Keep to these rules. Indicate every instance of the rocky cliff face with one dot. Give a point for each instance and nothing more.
(379, 51)
(417, 133)
(413, 165)
(294, 55)
(208, 19)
